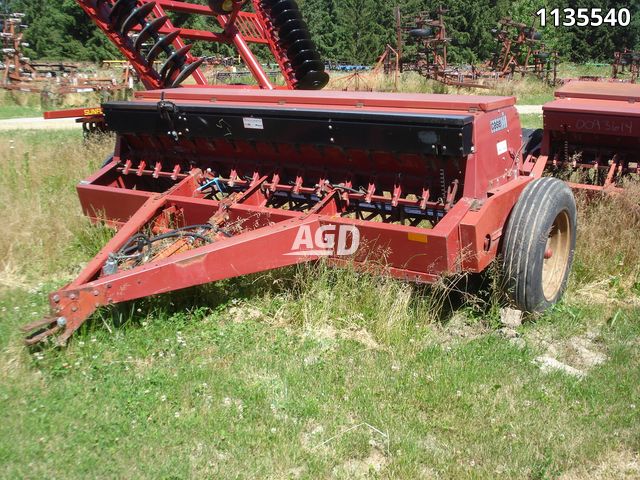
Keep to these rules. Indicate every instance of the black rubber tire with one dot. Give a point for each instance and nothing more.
(531, 141)
(544, 203)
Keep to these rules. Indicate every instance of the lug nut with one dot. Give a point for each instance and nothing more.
(61, 321)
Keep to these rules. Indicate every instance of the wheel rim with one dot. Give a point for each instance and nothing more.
(556, 256)
(221, 6)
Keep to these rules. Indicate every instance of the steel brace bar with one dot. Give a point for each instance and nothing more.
(239, 255)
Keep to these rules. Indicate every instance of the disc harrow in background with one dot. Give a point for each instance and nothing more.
(294, 38)
(145, 34)
(126, 15)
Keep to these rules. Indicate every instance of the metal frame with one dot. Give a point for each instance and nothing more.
(626, 63)
(518, 51)
(418, 215)
(20, 73)
(425, 183)
(240, 28)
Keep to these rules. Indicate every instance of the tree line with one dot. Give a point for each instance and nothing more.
(354, 31)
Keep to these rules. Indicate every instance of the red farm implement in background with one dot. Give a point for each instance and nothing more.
(591, 135)
(211, 183)
(158, 51)
(143, 31)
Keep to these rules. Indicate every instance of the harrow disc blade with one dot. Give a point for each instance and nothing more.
(313, 80)
(300, 45)
(303, 56)
(175, 61)
(294, 36)
(186, 72)
(149, 31)
(283, 5)
(120, 11)
(291, 25)
(286, 16)
(161, 45)
(268, 3)
(137, 16)
(307, 66)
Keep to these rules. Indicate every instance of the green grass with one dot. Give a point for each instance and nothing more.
(529, 90)
(203, 393)
(16, 104)
(531, 120)
(306, 372)
(18, 111)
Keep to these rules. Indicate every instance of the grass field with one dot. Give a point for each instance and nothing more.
(16, 104)
(18, 111)
(309, 372)
(528, 91)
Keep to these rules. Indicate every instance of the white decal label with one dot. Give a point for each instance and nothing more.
(253, 123)
(328, 240)
(499, 124)
(502, 147)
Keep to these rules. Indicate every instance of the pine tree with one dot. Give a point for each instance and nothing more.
(321, 16)
(352, 30)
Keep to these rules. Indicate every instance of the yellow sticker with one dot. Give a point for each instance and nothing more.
(418, 237)
(92, 111)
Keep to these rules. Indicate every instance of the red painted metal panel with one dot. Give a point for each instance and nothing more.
(73, 113)
(615, 91)
(591, 123)
(498, 151)
(115, 205)
(328, 98)
(481, 228)
(581, 106)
